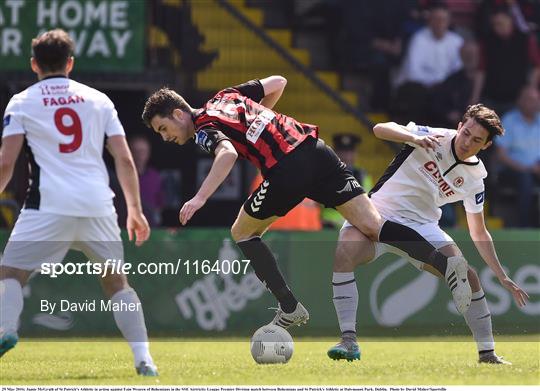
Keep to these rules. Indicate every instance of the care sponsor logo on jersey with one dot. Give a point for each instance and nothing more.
(480, 197)
(257, 126)
(434, 174)
(203, 141)
(54, 89)
(59, 89)
(7, 118)
(45, 89)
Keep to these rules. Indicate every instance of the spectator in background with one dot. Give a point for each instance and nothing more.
(433, 53)
(449, 98)
(149, 179)
(432, 56)
(463, 16)
(519, 150)
(525, 14)
(373, 32)
(510, 59)
(392, 24)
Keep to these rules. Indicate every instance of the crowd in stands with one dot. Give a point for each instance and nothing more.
(427, 60)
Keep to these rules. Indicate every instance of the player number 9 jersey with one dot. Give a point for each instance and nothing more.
(65, 124)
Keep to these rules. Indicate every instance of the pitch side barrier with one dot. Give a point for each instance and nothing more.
(196, 283)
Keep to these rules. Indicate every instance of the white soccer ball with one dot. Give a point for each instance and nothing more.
(271, 344)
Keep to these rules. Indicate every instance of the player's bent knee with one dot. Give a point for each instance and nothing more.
(347, 258)
(114, 283)
(371, 230)
(353, 249)
(342, 261)
(237, 234)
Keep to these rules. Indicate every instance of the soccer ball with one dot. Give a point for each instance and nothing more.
(271, 345)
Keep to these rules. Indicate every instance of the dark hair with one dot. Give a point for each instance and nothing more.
(52, 49)
(163, 102)
(485, 117)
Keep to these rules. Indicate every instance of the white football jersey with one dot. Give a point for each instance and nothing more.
(64, 124)
(418, 182)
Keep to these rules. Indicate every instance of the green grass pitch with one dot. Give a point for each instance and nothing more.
(384, 361)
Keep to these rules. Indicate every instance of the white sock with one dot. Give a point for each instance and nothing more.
(11, 305)
(478, 319)
(131, 324)
(345, 300)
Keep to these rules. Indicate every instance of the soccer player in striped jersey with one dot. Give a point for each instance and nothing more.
(63, 126)
(435, 167)
(239, 122)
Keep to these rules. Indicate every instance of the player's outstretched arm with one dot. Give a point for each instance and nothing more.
(273, 88)
(136, 223)
(223, 163)
(9, 152)
(392, 131)
(484, 244)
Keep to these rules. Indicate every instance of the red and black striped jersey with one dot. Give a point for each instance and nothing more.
(258, 134)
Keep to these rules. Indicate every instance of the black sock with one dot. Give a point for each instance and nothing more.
(266, 269)
(414, 244)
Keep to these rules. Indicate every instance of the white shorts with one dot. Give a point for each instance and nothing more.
(39, 237)
(430, 231)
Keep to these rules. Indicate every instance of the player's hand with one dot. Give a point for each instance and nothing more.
(137, 226)
(428, 141)
(189, 209)
(520, 296)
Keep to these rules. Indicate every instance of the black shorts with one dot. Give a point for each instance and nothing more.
(312, 170)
